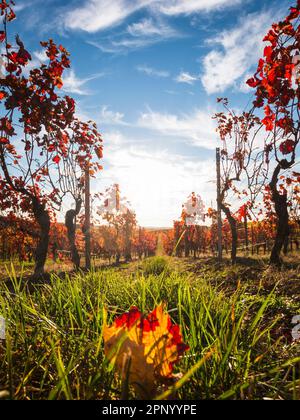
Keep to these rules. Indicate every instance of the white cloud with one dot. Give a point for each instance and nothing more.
(22, 6)
(41, 56)
(177, 7)
(96, 15)
(137, 35)
(110, 117)
(149, 71)
(242, 86)
(187, 78)
(197, 128)
(171, 92)
(75, 85)
(71, 82)
(239, 50)
(114, 140)
(157, 182)
(149, 27)
(124, 44)
(38, 58)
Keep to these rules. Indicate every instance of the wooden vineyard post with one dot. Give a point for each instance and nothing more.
(218, 160)
(87, 219)
(246, 233)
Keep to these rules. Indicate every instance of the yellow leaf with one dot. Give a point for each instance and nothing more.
(142, 349)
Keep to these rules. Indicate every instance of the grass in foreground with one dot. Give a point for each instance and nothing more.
(54, 346)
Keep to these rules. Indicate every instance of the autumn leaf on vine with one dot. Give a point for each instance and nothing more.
(144, 349)
(56, 159)
(287, 147)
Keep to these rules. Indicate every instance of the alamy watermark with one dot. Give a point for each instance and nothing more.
(296, 329)
(2, 328)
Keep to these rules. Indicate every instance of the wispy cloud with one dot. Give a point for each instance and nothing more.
(109, 117)
(149, 71)
(149, 27)
(41, 56)
(138, 35)
(96, 15)
(239, 49)
(177, 7)
(185, 77)
(22, 6)
(171, 92)
(38, 58)
(73, 84)
(196, 128)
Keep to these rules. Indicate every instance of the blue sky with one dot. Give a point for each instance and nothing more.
(149, 72)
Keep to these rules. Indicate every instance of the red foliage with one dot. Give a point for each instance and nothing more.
(128, 319)
(269, 119)
(51, 135)
(150, 323)
(277, 82)
(287, 147)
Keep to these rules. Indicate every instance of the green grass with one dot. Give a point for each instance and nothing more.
(155, 266)
(54, 346)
